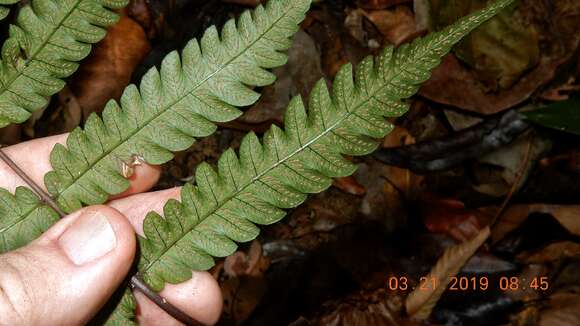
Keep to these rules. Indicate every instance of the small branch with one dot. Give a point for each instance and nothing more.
(44, 196)
(136, 282)
(450, 151)
(515, 185)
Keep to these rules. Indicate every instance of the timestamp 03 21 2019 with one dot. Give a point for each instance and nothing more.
(469, 283)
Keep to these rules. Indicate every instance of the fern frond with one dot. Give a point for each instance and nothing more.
(23, 218)
(175, 105)
(4, 11)
(182, 101)
(50, 37)
(280, 171)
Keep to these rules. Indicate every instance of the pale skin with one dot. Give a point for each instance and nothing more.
(40, 284)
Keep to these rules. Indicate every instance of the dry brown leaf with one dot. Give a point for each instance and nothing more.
(69, 108)
(455, 85)
(106, 72)
(401, 181)
(421, 302)
(379, 4)
(449, 215)
(244, 284)
(397, 25)
(366, 308)
(552, 252)
(349, 185)
(564, 310)
(566, 215)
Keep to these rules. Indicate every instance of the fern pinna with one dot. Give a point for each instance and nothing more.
(170, 108)
(280, 171)
(4, 11)
(43, 48)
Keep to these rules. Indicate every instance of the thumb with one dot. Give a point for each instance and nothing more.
(66, 275)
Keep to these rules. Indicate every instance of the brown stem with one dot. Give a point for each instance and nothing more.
(136, 282)
(44, 196)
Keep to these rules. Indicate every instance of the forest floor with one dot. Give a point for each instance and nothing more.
(476, 191)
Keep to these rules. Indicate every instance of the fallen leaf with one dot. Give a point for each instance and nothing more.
(514, 215)
(421, 302)
(564, 310)
(500, 51)
(68, 115)
(360, 28)
(557, 25)
(454, 85)
(379, 4)
(442, 215)
(373, 308)
(243, 283)
(349, 185)
(396, 25)
(552, 252)
(106, 72)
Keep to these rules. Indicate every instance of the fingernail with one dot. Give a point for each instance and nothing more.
(89, 238)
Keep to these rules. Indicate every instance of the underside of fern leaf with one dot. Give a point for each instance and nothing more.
(4, 11)
(50, 37)
(170, 109)
(175, 105)
(278, 173)
(23, 218)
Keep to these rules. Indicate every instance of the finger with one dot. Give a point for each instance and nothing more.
(200, 296)
(34, 158)
(66, 275)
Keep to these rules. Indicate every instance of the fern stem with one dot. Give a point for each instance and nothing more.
(137, 284)
(44, 196)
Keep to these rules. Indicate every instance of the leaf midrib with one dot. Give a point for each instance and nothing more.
(148, 121)
(20, 220)
(40, 48)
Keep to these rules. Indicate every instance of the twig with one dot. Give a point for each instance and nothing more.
(136, 283)
(515, 185)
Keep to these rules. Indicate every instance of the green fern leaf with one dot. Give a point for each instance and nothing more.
(181, 102)
(15, 230)
(279, 172)
(44, 47)
(123, 315)
(174, 106)
(4, 11)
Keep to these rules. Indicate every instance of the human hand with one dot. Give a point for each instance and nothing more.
(65, 276)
